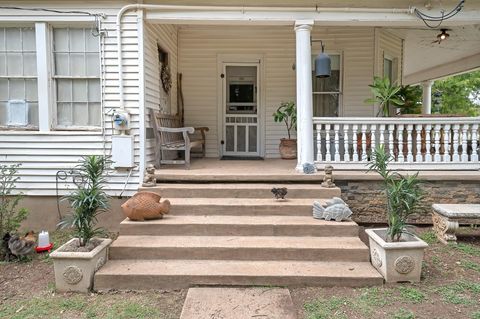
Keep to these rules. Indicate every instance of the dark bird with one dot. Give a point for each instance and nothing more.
(6, 250)
(22, 246)
(280, 192)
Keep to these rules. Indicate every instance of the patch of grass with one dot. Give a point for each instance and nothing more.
(325, 308)
(468, 264)
(371, 299)
(411, 294)
(74, 303)
(475, 315)
(403, 314)
(429, 237)
(130, 309)
(29, 309)
(468, 249)
(436, 260)
(460, 292)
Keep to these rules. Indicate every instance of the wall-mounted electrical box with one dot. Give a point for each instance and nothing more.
(122, 151)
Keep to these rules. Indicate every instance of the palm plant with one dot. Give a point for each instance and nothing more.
(403, 193)
(287, 113)
(89, 200)
(385, 94)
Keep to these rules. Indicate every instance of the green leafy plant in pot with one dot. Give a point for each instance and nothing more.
(77, 261)
(395, 251)
(287, 113)
(385, 94)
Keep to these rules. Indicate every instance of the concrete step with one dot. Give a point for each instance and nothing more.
(217, 225)
(176, 274)
(242, 206)
(239, 190)
(240, 248)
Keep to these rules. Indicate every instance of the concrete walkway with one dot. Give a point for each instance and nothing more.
(238, 303)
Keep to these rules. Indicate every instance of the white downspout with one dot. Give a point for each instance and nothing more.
(242, 9)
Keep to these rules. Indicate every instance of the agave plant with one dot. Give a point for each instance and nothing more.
(403, 193)
(385, 94)
(89, 200)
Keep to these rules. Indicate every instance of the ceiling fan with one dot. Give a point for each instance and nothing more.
(443, 35)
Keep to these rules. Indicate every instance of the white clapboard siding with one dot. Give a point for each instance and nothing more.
(155, 96)
(200, 45)
(389, 45)
(43, 154)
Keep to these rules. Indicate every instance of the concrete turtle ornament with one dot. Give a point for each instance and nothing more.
(335, 209)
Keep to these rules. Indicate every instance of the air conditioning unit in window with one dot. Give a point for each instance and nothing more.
(17, 113)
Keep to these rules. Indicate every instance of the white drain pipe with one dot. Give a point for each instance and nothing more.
(241, 9)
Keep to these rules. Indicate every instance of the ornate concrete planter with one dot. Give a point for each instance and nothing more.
(74, 271)
(396, 261)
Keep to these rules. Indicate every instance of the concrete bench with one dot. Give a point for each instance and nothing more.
(447, 217)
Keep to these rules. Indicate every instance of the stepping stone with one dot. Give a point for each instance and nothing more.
(235, 303)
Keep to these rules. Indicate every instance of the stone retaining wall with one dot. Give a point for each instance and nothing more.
(367, 201)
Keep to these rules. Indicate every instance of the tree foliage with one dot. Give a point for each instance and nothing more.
(458, 94)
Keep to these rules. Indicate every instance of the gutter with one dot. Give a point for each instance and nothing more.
(241, 9)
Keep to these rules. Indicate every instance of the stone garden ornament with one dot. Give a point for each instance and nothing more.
(335, 209)
(328, 180)
(149, 179)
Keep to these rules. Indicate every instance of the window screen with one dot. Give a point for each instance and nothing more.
(18, 77)
(77, 77)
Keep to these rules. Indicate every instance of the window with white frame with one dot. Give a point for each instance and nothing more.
(18, 78)
(77, 78)
(327, 91)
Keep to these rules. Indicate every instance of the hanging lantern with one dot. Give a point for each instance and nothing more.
(323, 65)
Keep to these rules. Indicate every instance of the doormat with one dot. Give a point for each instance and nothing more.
(241, 158)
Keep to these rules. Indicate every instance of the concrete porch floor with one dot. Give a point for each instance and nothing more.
(275, 170)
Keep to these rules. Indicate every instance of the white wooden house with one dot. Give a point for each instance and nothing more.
(65, 69)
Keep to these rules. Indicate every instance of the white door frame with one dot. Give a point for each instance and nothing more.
(241, 59)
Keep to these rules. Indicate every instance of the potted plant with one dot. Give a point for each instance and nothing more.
(287, 113)
(76, 262)
(396, 252)
(386, 94)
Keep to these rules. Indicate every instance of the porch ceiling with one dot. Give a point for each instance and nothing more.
(425, 60)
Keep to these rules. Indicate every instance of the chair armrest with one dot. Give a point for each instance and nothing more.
(189, 130)
(203, 128)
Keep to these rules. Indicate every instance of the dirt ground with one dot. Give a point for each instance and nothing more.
(450, 288)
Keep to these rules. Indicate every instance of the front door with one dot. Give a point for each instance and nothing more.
(241, 109)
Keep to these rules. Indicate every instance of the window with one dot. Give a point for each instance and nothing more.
(77, 78)
(388, 69)
(18, 78)
(327, 91)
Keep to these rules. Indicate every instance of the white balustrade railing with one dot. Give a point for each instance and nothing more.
(413, 143)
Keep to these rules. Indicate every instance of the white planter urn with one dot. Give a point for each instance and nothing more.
(396, 261)
(74, 271)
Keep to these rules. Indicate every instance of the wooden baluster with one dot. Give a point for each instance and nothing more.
(355, 142)
(474, 155)
(373, 132)
(455, 156)
(346, 154)
(364, 142)
(401, 157)
(319, 142)
(382, 134)
(418, 143)
(464, 142)
(447, 157)
(328, 156)
(428, 143)
(409, 143)
(336, 127)
(391, 130)
(436, 156)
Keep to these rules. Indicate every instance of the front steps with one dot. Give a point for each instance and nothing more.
(237, 234)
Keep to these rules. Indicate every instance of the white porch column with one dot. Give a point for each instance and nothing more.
(427, 97)
(304, 93)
